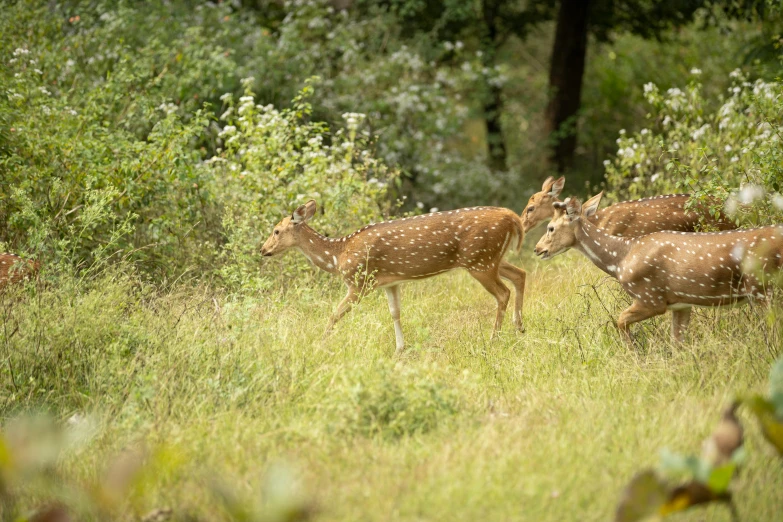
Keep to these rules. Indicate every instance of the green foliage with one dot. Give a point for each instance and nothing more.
(394, 402)
(276, 160)
(94, 155)
(708, 153)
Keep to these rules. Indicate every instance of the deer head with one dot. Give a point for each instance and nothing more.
(286, 233)
(539, 207)
(560, 233)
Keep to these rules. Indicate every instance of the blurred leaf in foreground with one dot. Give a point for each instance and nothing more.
(707, 478)
(643, 496)
(771, 423)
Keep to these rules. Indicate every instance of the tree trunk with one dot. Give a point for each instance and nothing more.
(493, 104)
(493, 109)
(565, 80)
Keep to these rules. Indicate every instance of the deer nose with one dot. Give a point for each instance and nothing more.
(540, 251)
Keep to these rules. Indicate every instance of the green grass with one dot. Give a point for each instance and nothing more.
(545, 425)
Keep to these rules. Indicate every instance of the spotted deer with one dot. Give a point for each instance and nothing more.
(14, 269)
(669, 270)
(627, 218)
(383, 255)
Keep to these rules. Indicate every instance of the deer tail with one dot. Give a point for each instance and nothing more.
(519, 232)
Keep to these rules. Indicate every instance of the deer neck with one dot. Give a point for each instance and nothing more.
(321, 251)
(604, 250)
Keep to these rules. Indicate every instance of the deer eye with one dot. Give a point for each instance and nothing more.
(550, 229)
(530, 209)
(277, 232)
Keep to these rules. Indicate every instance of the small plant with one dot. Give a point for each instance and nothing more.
(394, 402)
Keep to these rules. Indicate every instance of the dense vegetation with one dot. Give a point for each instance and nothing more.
(146, 151)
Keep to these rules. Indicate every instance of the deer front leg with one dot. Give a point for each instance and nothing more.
(638, 311)
(491, 281)
(393, 296)
(343, 308)
(680, 321)
(517, 277)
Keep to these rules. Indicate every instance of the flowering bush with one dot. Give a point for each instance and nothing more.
(734, 150)
(274, 160)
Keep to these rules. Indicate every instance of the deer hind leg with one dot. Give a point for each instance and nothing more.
(517, 277)
(351, 298)
(680, 321)
(393, 296)
(491, 281)
(638, 311)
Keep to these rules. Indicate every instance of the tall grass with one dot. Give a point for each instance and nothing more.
(546, 425)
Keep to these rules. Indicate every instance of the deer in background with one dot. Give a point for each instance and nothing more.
(386, 254)
(669, 270)
(14, 269)
(627, 218)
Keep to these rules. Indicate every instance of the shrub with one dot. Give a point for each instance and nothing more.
(710, 154)
(275, 160)
(393, 402)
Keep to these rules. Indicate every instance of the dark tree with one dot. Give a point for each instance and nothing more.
(566, 70)
(602, 18)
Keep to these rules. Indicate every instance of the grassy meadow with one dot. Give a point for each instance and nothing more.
(237, 397)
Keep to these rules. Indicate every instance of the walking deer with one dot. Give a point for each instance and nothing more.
(627, 218)
(14, 269)
(669, 270)
(383, 255)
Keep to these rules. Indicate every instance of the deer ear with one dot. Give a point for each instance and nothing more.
(304, 212)
(573, 209)
(591, 205)
(557, 187)
(547, 186)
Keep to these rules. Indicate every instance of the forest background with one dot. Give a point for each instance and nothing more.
(148, 147)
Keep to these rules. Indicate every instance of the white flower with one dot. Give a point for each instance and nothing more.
(750, 193)
(655, 176)
(228, 130)
(731, 206)
(458, 45)
(734, 159)
(607, 163)
(667, 120)
(20, 51)
(701, 131)
(44, 90)
(736, 73)
(419, 205)
(621, 132)
(696, 71)
(649, 87)
(226, 96)
(643, 132)
(433, 209)
(777, 201)
(727, 148)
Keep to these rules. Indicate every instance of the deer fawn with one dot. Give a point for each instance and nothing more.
(383, 255)
(627, 218)
(14, 269)
(669, 270)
